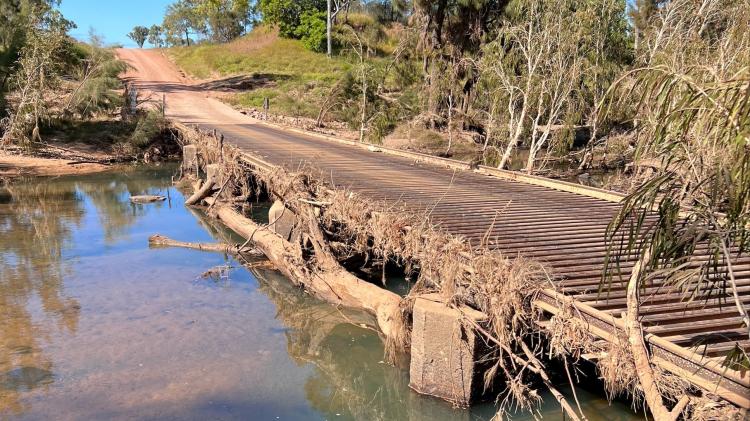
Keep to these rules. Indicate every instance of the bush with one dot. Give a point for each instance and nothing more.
(312, 30)
(148, 128)
(287, 14)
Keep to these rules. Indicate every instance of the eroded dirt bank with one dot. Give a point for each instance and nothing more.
(14, 165)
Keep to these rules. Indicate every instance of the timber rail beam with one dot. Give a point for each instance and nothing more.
(564, 229)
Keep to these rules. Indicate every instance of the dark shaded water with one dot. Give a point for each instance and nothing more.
(95, 325)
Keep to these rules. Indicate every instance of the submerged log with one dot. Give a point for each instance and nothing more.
(333, 284)
(158, 240)
(147, 198)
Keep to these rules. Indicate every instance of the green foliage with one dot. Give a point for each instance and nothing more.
(149, 126)
(180, 21)
(218, 20)
(312, 30)
(369, 31)
(14, 21)
(693, 117)
(56, 79)
(139, 35)
(296, 79)
(225, 19)
(42, 60)
(156, 36)
(287, 14)
(98, 73)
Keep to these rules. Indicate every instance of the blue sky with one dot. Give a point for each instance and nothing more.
(112, 19)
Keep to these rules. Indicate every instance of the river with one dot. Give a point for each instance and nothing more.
(96, 325)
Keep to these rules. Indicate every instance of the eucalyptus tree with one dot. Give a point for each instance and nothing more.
(14, 21)
(139, 35)
(181, 20)
(40, 63)
(224, 19)
(693, 117)
(156, 36)
(547, 65)
(450, 32)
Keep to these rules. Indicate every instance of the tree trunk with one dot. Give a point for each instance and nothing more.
(331, 283)
(202, 193)
(450, 125)
(516, 136)
(643, 368)
(363, 117)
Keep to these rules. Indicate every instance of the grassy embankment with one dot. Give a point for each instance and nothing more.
(295, 80)
(298, 82)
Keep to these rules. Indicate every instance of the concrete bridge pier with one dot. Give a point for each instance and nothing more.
(190, 161)
(444, 351)
(282, 220)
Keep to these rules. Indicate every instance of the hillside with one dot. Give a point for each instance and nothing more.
(299, 82)
(295, 80)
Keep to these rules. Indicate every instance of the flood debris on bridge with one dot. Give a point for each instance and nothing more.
(475, 321)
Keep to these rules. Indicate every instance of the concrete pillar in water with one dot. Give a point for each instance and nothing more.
(444, 350)
(282, 220)
(190, 160)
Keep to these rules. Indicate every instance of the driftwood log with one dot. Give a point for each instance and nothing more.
(147, 198)
(158, 240)
(331, 282)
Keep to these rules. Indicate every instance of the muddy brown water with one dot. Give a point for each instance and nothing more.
(95, 325)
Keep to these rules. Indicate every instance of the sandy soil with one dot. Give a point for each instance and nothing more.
(12, 165)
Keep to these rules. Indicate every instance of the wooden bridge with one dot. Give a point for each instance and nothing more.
(560, 224)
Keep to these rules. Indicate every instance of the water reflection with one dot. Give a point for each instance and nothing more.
(38, 220)
(36, 223)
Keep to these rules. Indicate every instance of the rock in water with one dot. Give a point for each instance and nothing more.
(147, 199)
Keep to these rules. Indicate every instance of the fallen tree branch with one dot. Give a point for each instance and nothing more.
(333, 284)
(158, 240)
(202, 193)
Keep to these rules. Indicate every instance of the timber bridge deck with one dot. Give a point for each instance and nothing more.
(560, 224)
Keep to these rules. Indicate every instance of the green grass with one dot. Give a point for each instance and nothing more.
(300, 78)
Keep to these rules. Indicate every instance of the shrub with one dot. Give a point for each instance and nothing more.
(312, 30)
(148, 128)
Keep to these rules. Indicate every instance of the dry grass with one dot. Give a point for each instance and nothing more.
(706, 409)
(617, 370)
(569, 335)
(258, 39)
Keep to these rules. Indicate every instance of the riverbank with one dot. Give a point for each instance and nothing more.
(91, 147)
(15, 165)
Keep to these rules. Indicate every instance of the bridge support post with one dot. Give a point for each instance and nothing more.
(444, 351)
(190, 160)
(282, 220)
